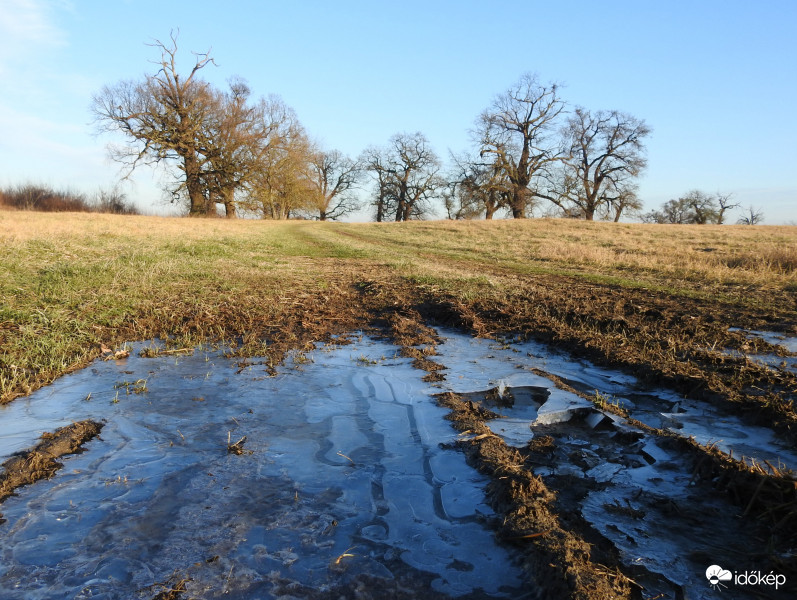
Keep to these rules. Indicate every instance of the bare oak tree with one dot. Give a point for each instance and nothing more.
(625, 202)
(724, 204)
(375, 161)
(605, 155)
(518, 130)
(695, 207)
(243, 141)
(162, 118)
(334, 177)
(232, 140)
(278, 184)
(751, 216)
(476, 188)
(703, 207)
(406, 176)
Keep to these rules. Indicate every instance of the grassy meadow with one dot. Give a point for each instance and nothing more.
(72, 283)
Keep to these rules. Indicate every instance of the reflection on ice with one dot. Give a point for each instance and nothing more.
(346, 478)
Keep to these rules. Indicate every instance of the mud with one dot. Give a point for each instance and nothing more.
(626, 483)
(651, 501)
(562, 561)
(41, 461)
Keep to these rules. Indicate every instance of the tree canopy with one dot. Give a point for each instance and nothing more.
(225, 150)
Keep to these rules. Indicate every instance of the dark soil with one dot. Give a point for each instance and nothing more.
(40, 462)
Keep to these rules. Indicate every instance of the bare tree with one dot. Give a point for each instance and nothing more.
(375, 162)
(695, 207)
(232, 140)
(517, 130)
(279, 186)
(724, 204)
(242, 141)
(751, 216)
(606, 153)
(162, 117)
(406, 176)
(703, 207)
(334, 177)
(476, 188)
(625, 202)
(675, 212)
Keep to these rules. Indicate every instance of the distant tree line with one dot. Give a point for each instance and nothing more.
(698, 208)
(695, 207)
(38, 197)
(530, 154)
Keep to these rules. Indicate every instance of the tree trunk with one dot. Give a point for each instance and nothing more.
(400, 208)
(228, 196)
(193, 183)
(380, 211)
(519, 195)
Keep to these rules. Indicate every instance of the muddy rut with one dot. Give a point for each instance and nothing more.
(591, 500)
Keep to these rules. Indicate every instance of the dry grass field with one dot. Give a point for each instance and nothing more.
(74, 281)
(659, 302)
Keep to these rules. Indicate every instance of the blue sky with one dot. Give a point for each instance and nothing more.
(715, 80)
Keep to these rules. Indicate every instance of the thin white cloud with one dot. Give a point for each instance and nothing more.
(28, 32)
(27, 24)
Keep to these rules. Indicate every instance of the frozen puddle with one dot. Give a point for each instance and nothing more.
(788, 343)
(477, 366)
(342, 482)
(632, 487)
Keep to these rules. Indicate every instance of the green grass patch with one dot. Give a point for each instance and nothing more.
(72, 282)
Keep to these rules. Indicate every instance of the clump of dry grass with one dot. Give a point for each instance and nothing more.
(765, 259)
